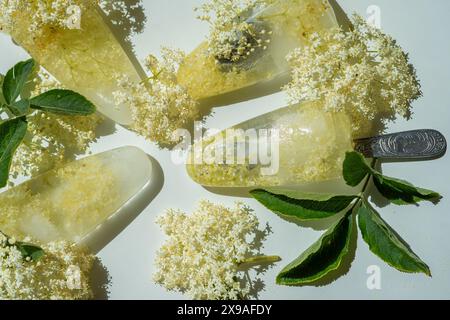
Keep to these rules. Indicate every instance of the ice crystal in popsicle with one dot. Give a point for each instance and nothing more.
(83, 55)
(70, 202)
(255, 47)
(310, 146)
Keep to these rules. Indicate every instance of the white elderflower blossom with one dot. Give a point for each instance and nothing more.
(204, 249)
(52, 139)
(48, 278)
(227, 19)
(45, 13)
(159, 105)
(363, 72)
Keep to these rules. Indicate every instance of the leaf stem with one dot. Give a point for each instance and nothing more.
(154, 76)
(257, 261)
(364, 188)
(366, 183)
(13, 117)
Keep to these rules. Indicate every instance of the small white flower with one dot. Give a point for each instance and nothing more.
(159, 105)
(226, 20)
(51, 135)
(48, 277)
(201, 255)
(361, 72)
(43, 12)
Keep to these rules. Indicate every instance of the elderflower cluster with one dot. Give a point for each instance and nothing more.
(232, 37)
(52, 140)
(201, 256)
(159, 105)
(362, 72)
(62, 273)
(45, 13)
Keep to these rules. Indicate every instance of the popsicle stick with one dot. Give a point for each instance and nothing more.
(416, 145)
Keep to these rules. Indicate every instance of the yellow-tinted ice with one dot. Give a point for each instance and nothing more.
(289, 22)
(310, 147)
(87, 60)
(70, 202)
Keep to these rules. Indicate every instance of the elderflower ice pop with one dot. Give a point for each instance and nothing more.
(305, 144)
(72, 40)
(71, 202)
(250, 45)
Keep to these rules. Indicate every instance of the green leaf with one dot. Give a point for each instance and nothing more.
(30, 251)
(402, 192)
(20, 108)
(386, 244)
(302, 206)
(16, 79)
(63, 102)
(12, 133)
(355, 168)
(26, 249)
(322, 257)
(2, 98)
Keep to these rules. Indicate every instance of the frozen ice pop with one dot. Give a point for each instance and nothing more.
(71, 202)
(87, 59)
(305, 144)
(274, 30)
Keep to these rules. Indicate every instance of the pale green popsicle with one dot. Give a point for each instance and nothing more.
(310, 147)
(286, 24)
(87, 60)
(70, 203)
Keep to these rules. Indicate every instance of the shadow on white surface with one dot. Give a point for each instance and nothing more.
(258, 90)
(341, 16)
(331, 186)
(100, 280)
(126, 18)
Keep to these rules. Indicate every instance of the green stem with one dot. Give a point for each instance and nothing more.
(154, 76)
(257, 261)
(12, 117)
(364, 189)
(366, 184)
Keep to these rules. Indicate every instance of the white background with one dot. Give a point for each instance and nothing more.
(421, 27)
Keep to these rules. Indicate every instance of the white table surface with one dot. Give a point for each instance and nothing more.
(421, 27)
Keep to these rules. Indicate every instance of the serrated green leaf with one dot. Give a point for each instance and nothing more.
(63, 102)
(20, 108)
(355, 168)
(384, 242)
(15, 80)
(302, 206)
(402, 192)
(322, 257)
(12, 133)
